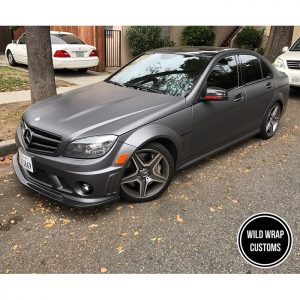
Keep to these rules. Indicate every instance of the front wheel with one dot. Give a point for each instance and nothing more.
(148, 175)
(11, 59)
(271, 121)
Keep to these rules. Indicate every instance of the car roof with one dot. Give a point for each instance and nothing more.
(191, 50)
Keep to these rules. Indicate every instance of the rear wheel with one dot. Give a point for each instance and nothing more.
(10, 58)
(271, 122)
(148, 175)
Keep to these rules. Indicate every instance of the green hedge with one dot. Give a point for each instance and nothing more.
(249, 38)
(144, 38)
(198, 36)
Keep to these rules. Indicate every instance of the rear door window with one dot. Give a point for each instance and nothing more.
(251, 68)
(62, 38)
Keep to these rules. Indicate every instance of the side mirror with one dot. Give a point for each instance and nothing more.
(215, 94)
(14, 41)
(285, 49)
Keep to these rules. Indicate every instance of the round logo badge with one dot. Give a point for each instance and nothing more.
(265, 240)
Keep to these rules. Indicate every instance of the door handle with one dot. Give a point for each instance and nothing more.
(238, 98)
(269, 85)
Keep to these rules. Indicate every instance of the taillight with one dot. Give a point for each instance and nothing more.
(61, 53)
(93, 53)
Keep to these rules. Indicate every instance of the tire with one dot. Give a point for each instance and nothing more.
(148, 175)
(271, 121)
(11, 59)
(82, 70)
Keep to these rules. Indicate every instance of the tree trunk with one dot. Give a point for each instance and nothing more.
(280, 36)
(40, 65)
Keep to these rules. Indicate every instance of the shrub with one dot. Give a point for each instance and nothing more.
(249, 38)
(144, 38)
(198, 36)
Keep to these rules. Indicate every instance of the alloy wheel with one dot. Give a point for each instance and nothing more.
(147, 174)
(273, 120)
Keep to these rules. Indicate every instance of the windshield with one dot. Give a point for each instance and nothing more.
(62, 38)
(172, 74)
(296, 46)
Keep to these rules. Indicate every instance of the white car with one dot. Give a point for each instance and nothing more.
(289, 63)
(68, 50)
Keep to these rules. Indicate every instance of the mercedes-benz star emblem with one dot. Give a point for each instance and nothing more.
(27, 136)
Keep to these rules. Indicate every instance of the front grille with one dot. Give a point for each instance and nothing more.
(293, 64)
(40, 141)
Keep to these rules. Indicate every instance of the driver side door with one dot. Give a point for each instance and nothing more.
(217, 123)
(20, 54)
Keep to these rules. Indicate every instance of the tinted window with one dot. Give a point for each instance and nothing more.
(296, 46)
(225, 74)
(267, 73)
(22, 40)
(173, 74)
(251, 68)
(62, 38)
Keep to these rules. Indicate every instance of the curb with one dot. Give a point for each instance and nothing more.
(8, 147)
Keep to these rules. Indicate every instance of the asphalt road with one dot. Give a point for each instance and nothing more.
(192, 228)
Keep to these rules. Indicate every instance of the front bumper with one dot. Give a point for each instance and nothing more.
(294, 76)
(60, 178)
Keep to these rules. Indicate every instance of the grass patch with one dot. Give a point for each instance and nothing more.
(10, 116)
(17, 80)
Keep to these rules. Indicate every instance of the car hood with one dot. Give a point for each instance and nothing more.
(100, 108)
(290, 55)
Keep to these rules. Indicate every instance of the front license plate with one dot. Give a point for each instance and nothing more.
(295, 79)
(26, 162)
(79, 54)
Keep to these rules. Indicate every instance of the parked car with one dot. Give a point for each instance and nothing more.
(69, 52)
(163, 111)
(289, 63)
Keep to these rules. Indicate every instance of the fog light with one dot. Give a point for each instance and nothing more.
(87, 188)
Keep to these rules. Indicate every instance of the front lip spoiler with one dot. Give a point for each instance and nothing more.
(56, 195)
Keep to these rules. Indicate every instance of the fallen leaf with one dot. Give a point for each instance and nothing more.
(13, 212)
(49, 223)
(235, 201)
(15, 247)
(83, 238)
(123, 234)
(119, 207)
(12, 221)
(103, 270)
(130, 206)
(93, 226)
(219, 207)
(179, 219)
(65, 221)
(18, 195)
(120, 249)
(212, 209)
(31, 210)
(136, 233)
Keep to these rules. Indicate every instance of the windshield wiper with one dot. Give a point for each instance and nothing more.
(143, 88)
(114, 82)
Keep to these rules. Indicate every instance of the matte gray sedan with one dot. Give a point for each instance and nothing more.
(165, 110)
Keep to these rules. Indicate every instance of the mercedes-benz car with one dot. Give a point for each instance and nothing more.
(289, 63)
(126, 136)
(68, 51)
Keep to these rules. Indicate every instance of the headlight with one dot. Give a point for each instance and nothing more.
(90, 147)
(278, 63)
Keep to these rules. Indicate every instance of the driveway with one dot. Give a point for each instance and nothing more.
(192, 228)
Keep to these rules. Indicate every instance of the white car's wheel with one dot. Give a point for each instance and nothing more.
(11, 59)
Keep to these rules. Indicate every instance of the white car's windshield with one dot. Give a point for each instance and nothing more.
(166, 73)
(296, 46)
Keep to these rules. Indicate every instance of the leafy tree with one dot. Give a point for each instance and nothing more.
(198, 36)
(144, 38)
(40, 64)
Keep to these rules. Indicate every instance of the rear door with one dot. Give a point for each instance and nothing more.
(216, 123)
(260, 86)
